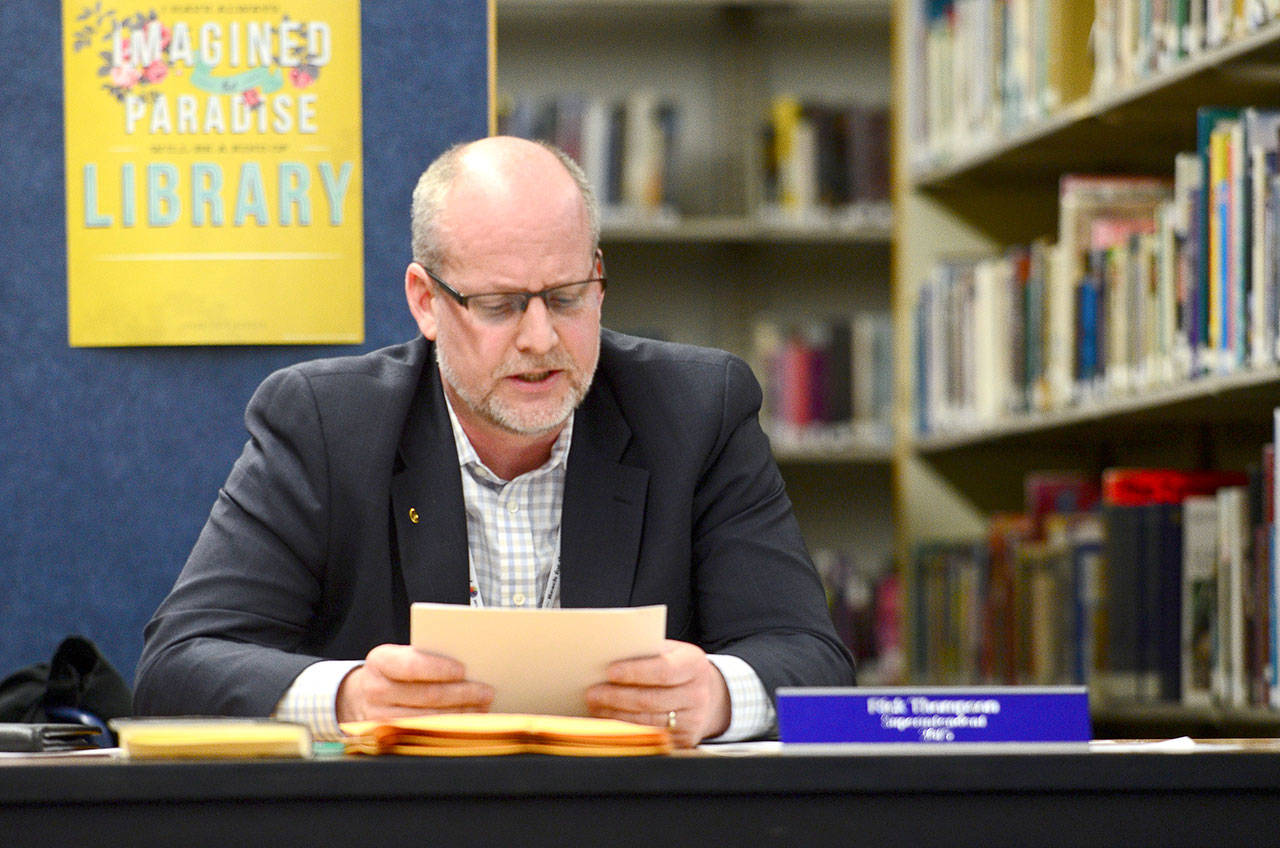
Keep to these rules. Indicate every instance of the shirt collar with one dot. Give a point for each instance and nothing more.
(468, 458)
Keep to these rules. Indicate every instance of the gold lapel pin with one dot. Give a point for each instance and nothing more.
(413, 515)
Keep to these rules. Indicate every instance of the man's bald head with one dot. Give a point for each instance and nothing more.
(500, 174)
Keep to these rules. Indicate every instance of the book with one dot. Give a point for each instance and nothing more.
(1187, 217)
(791, 156)
(824, 162)
(827, 382)
(991, 67)
(1098, 215)
(1078, 537)
(1124, 674)
(1262, 143)
(872, 377)
(1229, 680)
(1006, 533)
(1035, 374)
(1258, 588)
(210, 737)
(949, 600)
(648, 145)
(1062, 53)
(1273, 597)
(849, 600)
(1162, 608)
(1144, 559)
(974, 344)
(492, 734)
(1199, 598)
(626, 148)
(1044, 618)
(1212, 147)
(1048, 493)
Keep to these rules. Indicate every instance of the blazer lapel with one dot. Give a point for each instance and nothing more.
(603, 512)
(426, 499)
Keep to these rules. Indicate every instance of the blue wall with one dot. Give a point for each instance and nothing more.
(111, 458)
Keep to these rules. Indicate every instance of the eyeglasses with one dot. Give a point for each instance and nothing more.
(565, 301)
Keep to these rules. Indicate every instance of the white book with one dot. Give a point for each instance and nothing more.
(1237, 342)
(989, 334)
(1188, 179)
(1060, 318)
(595, 146)
(641, 181)
(1164, 358)
(1199, 597)
(1231, 689)
(1273, 655)
(1262, 137)
(1105, 61)
(872, 367)
(1193, 32)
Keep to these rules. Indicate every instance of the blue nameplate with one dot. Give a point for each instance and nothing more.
(940, 715)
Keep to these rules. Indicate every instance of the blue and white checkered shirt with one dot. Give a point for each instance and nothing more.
(513, 535)
(513, 526)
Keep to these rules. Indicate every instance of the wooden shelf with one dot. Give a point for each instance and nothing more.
(747, 230)
(714, 262)
(852, 453)
(1137, 129)
(1249, 395)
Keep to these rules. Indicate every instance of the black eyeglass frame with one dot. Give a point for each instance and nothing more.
(525, 296)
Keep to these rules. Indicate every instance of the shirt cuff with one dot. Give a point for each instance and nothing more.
(312, 698)
(751, 713)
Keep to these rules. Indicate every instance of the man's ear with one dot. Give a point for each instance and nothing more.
(421, 296)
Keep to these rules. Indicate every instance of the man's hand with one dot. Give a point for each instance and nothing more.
(397, 681)
(647, 689)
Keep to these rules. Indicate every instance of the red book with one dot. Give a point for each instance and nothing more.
(1058, 492)
(1140, 486)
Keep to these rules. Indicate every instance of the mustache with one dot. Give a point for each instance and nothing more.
(554, 361)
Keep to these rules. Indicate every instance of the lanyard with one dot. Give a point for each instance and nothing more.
(550, 594)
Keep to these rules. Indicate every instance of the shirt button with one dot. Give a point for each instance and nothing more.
(518, 599)
(513, 507)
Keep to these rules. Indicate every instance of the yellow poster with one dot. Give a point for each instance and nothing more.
(213, 172)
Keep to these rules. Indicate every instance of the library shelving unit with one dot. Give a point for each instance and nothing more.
(709, 272)
(984, 196)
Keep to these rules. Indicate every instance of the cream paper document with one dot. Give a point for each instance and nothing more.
(537, 660)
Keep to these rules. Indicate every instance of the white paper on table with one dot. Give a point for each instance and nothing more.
(537, 660)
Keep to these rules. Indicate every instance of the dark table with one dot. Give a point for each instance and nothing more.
(1203, 798)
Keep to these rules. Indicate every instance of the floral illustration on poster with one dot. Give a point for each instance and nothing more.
(213, 172)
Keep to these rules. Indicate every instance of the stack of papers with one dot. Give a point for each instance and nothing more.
(488, 734)
(211, 737)
(569, 648)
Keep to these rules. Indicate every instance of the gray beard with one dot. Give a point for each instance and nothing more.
(522, 423)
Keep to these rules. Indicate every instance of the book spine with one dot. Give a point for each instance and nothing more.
(1199, 599)
(1274, 550)
(1229, 677)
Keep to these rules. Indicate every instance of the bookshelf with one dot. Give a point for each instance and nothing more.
(717, 260)
(981, 193)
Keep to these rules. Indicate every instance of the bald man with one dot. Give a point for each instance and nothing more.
(514, 454)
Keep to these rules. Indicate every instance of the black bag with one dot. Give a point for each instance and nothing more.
(77, 680)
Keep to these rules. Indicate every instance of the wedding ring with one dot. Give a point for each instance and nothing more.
(671, 720)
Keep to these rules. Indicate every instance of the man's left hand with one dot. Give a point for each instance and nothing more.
(647, 690)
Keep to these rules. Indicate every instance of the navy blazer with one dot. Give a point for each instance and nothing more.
(346, 506)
